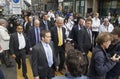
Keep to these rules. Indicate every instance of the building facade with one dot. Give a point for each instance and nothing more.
(44, 5)
(90, 6)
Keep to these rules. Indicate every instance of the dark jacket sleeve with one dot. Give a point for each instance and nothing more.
(102, 66)
(80, 40)
(34, 60)
(11, 45)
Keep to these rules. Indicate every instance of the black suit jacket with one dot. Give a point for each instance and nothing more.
(32, 37)
(14, 44)
(43, 25)
(84, 41)
(54, 35)
(39, 59)
(28, 27)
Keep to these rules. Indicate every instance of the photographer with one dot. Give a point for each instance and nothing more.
(102, 62)
(115, 48)
(13, 21)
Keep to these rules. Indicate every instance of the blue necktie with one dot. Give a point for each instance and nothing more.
(38, 35)
(49, 55)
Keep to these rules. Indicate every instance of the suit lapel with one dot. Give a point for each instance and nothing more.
(43, 50)
(34, 34)
(56, 32)
(51, 47)
(16, 38)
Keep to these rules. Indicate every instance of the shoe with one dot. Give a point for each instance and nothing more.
(25, 76)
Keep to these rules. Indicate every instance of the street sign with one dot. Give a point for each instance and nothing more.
(16, 7)
(15, 1)
(16, 10)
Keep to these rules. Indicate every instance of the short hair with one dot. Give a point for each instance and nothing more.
(2, 21)
(116, 31)
(103, 37)
(44, 15)
(75, 62)
(88, 19)
(95, 14)
(43, 33)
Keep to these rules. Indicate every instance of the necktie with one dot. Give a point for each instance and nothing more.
(37, 35)
(60, 37)
(49, 55)
(46, 25)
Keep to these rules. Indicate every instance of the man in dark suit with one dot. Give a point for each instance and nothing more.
(74, 32)
(29, 25)
(18, 46)
(34, 34)
(58, 37)
(45, 23)
(85, 39)
(43, 57)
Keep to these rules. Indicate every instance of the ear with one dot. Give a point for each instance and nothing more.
(42, 38)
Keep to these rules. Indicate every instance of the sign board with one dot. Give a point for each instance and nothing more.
(16, 3)
(2, 2)
(16, 6)
(60, 0)
(16, 10)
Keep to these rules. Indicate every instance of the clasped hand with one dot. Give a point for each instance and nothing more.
(115, 57)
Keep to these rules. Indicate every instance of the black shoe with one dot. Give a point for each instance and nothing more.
(25, 76)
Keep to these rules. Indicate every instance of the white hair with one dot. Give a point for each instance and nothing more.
(59, 19)
(2, 21)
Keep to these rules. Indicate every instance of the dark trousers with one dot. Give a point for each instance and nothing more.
(61, 54)
(48, 73)
(111, 75)
(94, 35)
(1, 75)
(85, 70)
(22, 56)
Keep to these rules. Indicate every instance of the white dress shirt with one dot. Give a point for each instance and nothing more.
(21, 41)
(95, 24)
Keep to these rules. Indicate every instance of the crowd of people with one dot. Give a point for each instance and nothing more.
(45, 38)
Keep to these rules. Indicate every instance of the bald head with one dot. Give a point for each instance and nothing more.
(36, 23)
(106, 21)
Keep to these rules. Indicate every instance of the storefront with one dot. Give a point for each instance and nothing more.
(74, 6)
(112, 6)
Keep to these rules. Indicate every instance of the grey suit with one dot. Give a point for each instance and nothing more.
(39, 62)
